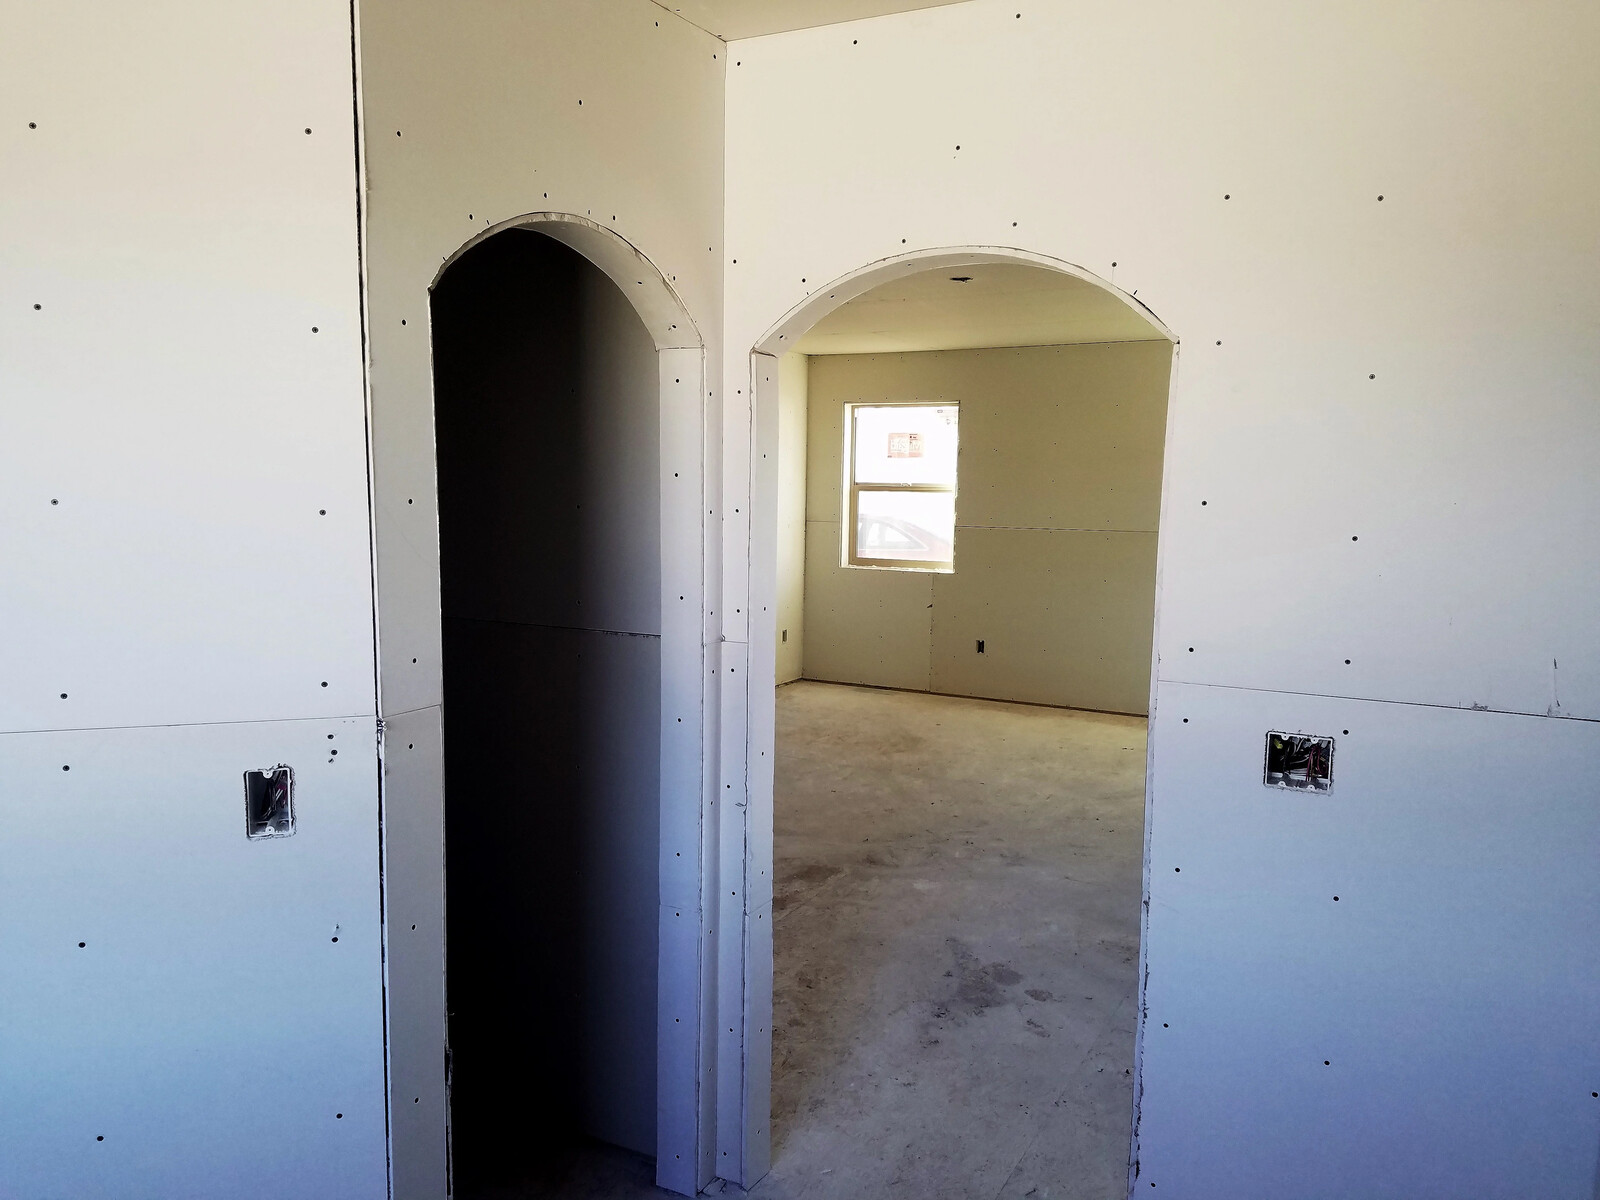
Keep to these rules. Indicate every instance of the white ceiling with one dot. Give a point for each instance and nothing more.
(1004, 304)
(734, 19)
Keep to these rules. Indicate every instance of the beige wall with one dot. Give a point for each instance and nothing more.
(1059, 491)
(792, 405)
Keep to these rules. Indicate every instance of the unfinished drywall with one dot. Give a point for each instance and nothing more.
(1375, 242)
(1059, 492)
(547, 405)
(186, 596)
(792, 457)
(607, 118)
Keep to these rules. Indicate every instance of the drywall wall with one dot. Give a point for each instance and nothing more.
(1374, 240)
(547, 406)
(186, 596)
(792, 458)
(1058, 496)
(607, 116)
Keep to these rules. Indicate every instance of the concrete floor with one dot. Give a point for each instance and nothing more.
(956, 929)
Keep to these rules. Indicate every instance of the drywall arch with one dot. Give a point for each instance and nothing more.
(651, 293)
(410, 688)
(789, 328)
(745, 1139)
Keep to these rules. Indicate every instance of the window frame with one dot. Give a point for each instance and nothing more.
(853, 489)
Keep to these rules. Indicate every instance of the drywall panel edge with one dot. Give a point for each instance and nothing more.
(414, 951)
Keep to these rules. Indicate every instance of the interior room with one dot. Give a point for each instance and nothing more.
(799, 598)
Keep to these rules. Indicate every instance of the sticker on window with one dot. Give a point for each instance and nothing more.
(905, 445)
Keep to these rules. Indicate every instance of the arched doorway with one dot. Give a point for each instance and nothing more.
(952, 268)
(568, 385)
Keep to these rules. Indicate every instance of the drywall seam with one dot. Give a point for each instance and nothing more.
(358, 147)
(361, 716)
(1483, 708)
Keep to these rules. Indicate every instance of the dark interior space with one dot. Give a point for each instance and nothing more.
(547, 422)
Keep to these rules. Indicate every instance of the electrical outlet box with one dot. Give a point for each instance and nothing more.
(269, 802)
(1299, 762)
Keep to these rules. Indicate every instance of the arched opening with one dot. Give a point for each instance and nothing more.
(959, 467)
(559, 392)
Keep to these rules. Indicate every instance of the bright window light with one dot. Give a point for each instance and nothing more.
(901, 481)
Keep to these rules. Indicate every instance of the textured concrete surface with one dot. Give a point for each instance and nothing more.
(956, 924)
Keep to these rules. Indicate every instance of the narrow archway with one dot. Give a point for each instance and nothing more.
(1120, 317)
(568, 415)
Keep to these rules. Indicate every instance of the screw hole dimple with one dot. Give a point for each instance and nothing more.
(324, 683)
(336, 939)
(81, 945)
(1186, 720)
(100, 1137)
(65, 767)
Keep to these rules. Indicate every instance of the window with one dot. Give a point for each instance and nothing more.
(901, 482)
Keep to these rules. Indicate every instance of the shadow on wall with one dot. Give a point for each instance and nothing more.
(546, 401)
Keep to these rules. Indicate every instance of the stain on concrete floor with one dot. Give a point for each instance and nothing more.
(956, 923)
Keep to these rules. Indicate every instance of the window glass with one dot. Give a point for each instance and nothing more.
(905, 444)
(905, 526)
